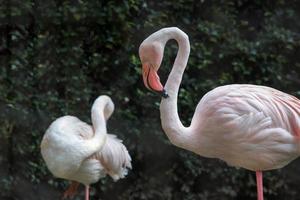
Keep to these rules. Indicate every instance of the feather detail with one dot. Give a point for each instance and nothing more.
(114, 157)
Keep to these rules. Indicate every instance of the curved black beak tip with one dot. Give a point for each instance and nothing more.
(164, 94)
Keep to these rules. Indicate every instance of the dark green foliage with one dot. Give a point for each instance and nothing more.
(56, 57)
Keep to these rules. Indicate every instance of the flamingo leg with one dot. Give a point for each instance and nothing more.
(87, 192)
(71, 191)
(259, 184)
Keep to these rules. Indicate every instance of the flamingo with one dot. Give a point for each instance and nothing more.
(249, 126)
(76, 151)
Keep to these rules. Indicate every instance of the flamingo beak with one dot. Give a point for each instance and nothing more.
(152, 80)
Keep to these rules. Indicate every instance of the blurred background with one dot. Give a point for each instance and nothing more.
(57, 56)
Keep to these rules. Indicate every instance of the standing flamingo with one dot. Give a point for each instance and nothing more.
(249, 126)
(76, 151)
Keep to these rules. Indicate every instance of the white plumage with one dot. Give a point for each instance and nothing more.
(76, 151)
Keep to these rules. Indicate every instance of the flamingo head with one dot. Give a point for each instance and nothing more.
(151, 54)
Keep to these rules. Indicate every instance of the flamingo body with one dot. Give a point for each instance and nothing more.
(62, 156)
(76, 151)
(249, 126)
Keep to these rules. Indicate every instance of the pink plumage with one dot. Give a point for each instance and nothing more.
(240, 122)
(249, 126)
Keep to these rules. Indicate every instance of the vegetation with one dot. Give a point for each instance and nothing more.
(57, 56)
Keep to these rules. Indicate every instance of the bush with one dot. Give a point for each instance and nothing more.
(56, 57)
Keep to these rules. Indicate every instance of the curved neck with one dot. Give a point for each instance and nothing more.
(102, 109)
(177, 133)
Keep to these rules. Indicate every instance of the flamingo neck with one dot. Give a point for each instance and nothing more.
(102, 109)
(176, 132)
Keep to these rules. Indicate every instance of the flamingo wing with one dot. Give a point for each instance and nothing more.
(114, 157)
(257, 126)
(239, 100)
(289, 111)
(255, 145)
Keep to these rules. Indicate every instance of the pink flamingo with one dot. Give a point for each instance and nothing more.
(249, 126)
(76, 151)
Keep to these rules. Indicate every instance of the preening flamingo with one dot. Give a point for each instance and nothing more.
(76, 151)
(249, 126)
